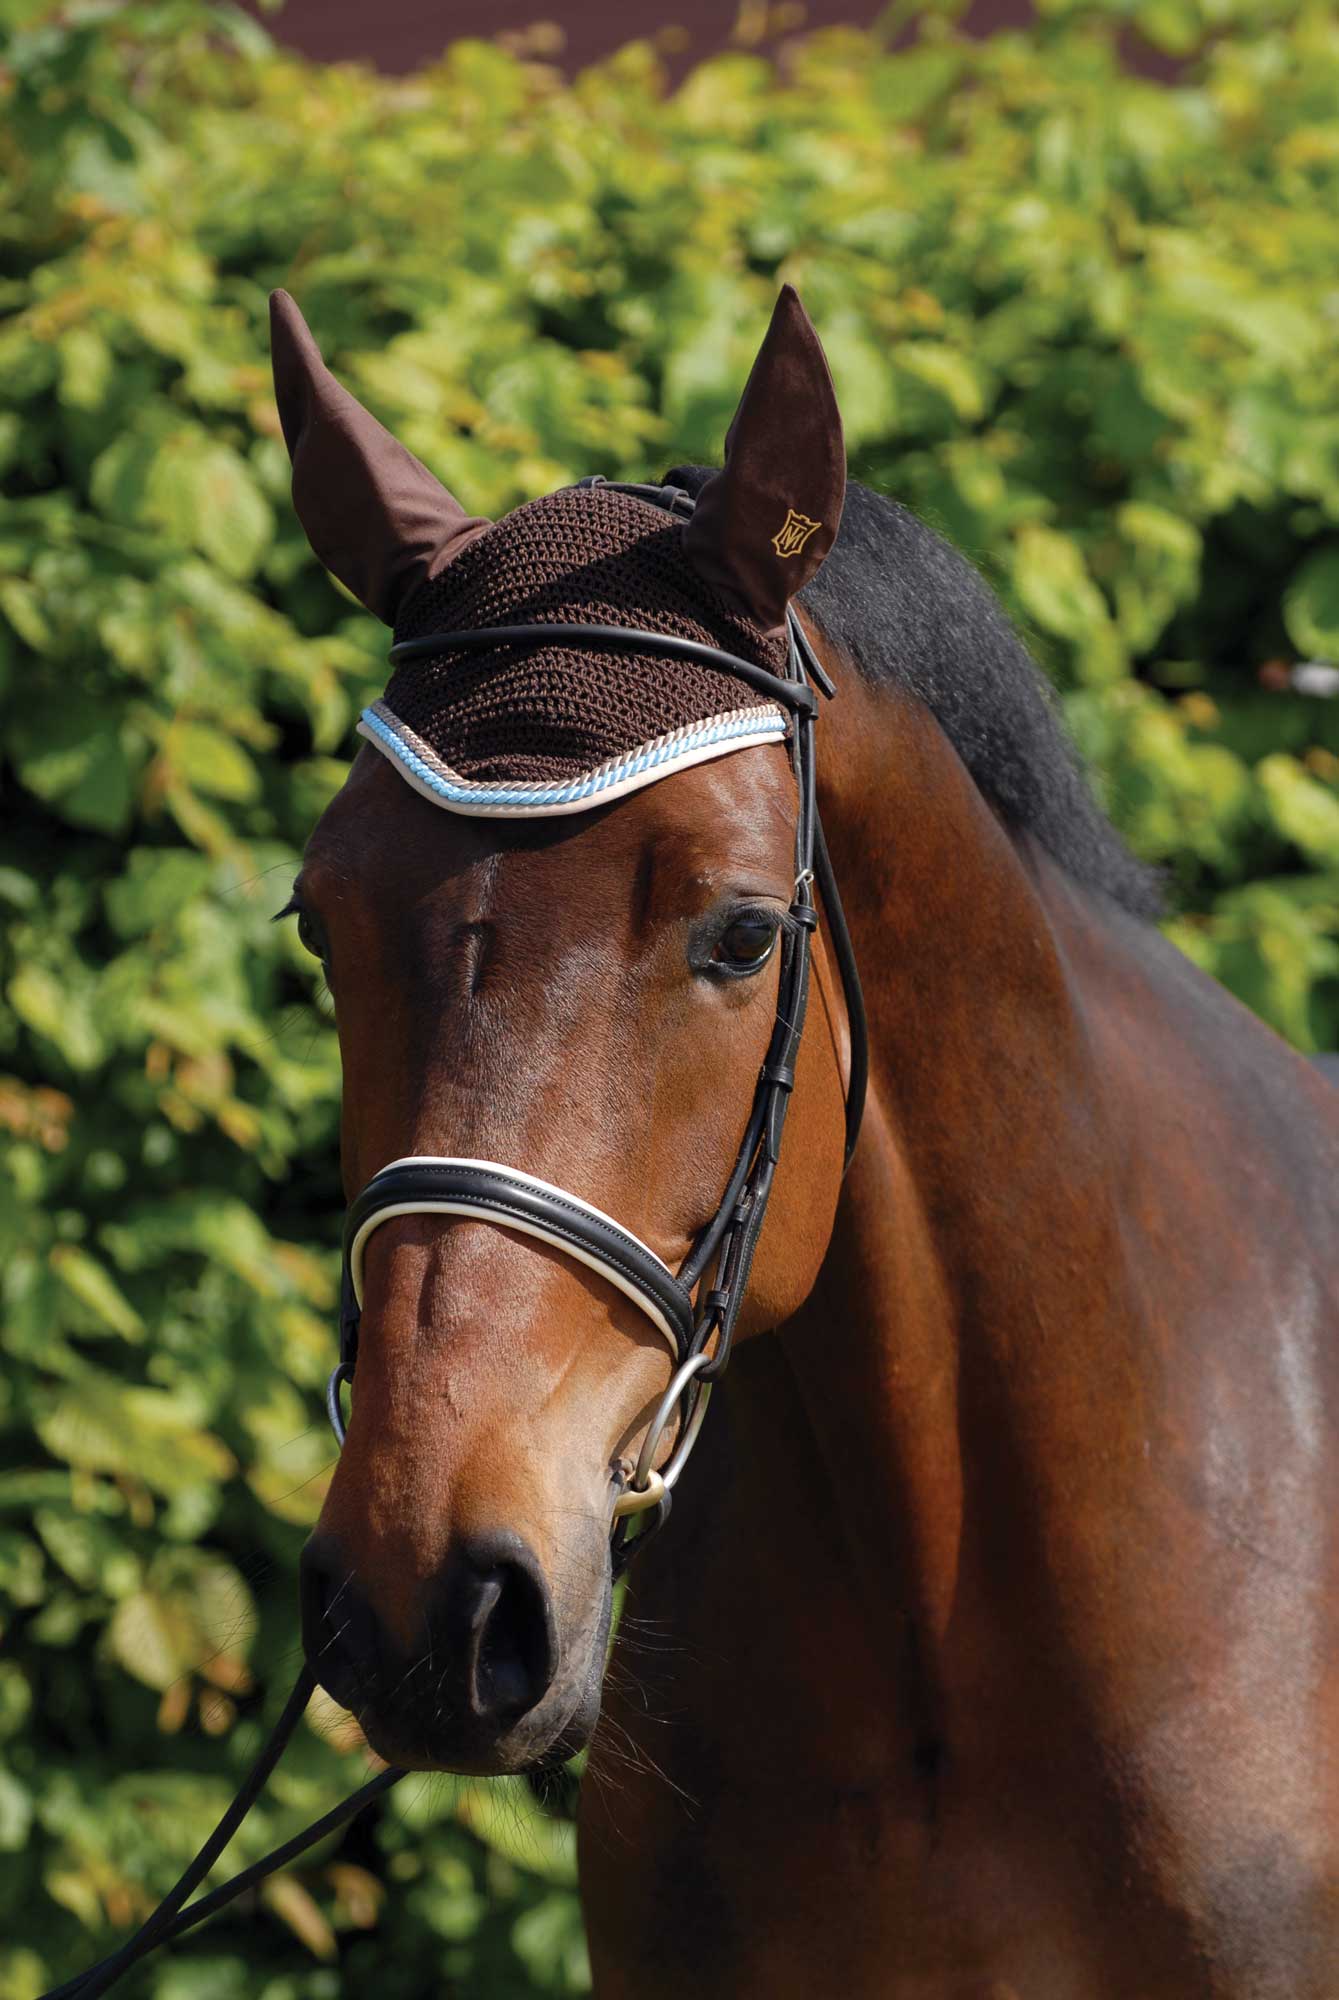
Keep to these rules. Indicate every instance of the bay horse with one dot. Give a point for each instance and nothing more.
(990, 1652)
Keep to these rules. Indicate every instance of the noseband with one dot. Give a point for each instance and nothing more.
(695, 1309)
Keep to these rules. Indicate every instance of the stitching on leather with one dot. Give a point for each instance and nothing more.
(679, 1301)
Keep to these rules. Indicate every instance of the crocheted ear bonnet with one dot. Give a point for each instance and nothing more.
(555, 729)
(532, 729)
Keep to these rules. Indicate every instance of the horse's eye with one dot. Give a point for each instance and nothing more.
(746, 946)
(308, 935)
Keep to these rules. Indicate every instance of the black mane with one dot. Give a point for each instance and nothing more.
(909, 609)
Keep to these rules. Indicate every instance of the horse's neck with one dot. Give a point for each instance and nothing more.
(961, 1356)
(1083, 1245)
(1026, 1247)
(1046, 1449)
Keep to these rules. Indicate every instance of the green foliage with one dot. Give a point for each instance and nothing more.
(1086, 325)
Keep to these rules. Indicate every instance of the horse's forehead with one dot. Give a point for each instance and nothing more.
(720, 825)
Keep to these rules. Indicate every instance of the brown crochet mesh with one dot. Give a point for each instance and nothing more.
(551, 712)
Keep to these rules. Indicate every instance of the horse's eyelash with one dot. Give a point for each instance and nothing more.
(291, 909)
(766, 913)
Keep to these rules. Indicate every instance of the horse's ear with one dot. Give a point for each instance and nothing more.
(763, 525)
(376, 517)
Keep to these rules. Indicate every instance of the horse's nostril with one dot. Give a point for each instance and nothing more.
(510, 1655)
(487, 1653)
(512, 1667)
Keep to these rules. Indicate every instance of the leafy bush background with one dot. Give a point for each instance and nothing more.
(1088, 325)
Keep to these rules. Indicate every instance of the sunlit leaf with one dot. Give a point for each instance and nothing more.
(143, 1434)
(1304, 810)
(195, 1615)
(94, 1287)
(1311, 605)
(58, 1015)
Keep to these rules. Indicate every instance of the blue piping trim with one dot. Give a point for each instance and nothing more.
(573, 788)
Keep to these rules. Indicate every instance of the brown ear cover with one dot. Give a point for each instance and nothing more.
(378, 519)
(763, 525)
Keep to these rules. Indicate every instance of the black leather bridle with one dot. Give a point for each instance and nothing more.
(696, 1308)
(696, 1316)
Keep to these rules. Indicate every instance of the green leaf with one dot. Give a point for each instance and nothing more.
(1053, 584)
(212, 762)
(1311, 605)
(1159, 570)
(507, 1816)
(94, 1287)
(22, 606)
(865, 383)
(200, 489)
(87, 368)
(194, 1615)
(947, 373)
(152, 1639)
(64, 1016)
(1055, 588)
(1304, 811)
(155, 885)
(16, 1813)
(70, 751)
(196, 489)
(143, 1434)
(22, 1571)
(16, 1698)
(91, 1553)
(1272, 953)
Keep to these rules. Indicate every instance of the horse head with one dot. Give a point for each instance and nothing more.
(541, 958)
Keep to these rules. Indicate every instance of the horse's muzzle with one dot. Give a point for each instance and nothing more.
(475, 1689)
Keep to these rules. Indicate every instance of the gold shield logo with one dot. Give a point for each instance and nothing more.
(793, 533)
